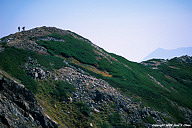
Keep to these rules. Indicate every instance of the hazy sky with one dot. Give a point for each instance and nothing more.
(131, 28)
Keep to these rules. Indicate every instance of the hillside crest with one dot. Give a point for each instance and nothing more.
(79, 84)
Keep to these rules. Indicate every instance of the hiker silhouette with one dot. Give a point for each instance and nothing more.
(23, 28)
(19, 29)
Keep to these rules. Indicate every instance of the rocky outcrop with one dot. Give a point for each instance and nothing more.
(184, 59)
(98, 94)
(49, 38)
(153, 64)
(34, 69)
(19, 108)
(28, 45)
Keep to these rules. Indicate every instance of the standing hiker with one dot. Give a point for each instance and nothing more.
(23, 28)
(19, 29)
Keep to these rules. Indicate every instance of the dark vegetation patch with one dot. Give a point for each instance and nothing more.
(58, 90)
(72, 47)
(83, 108)
(149, 119)
(12, 60)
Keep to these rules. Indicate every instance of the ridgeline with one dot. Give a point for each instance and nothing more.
(75, 83)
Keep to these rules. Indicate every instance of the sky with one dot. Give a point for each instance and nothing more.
(130, 28)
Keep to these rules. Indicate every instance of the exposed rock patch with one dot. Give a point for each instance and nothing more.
(187, 59)
(19, 108)
(49, 38)
(28, 45)
(97, 94)
(34, 69)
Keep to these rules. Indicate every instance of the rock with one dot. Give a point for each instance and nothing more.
(70, 99)
(34, 69)
(36, 75)
(19, 108)
(185, 59)
(96, 110)
(49, 38)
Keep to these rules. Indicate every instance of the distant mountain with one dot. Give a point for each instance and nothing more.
(161, 53)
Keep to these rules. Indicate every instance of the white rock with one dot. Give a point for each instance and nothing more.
(70, 99)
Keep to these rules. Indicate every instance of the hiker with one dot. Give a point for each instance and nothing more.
(19, 29)
(23, 28)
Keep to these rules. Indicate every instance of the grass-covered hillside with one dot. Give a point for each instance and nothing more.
(67, 71)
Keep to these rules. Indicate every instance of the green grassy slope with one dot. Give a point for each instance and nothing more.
(130, 77)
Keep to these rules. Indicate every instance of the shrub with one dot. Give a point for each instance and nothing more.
(115, 119)
(84, 109)
(62, 89)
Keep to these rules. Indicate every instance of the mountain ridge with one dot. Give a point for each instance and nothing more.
(79, 84)
(161, 53)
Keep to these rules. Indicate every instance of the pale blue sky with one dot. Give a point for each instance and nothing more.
(131, 28)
